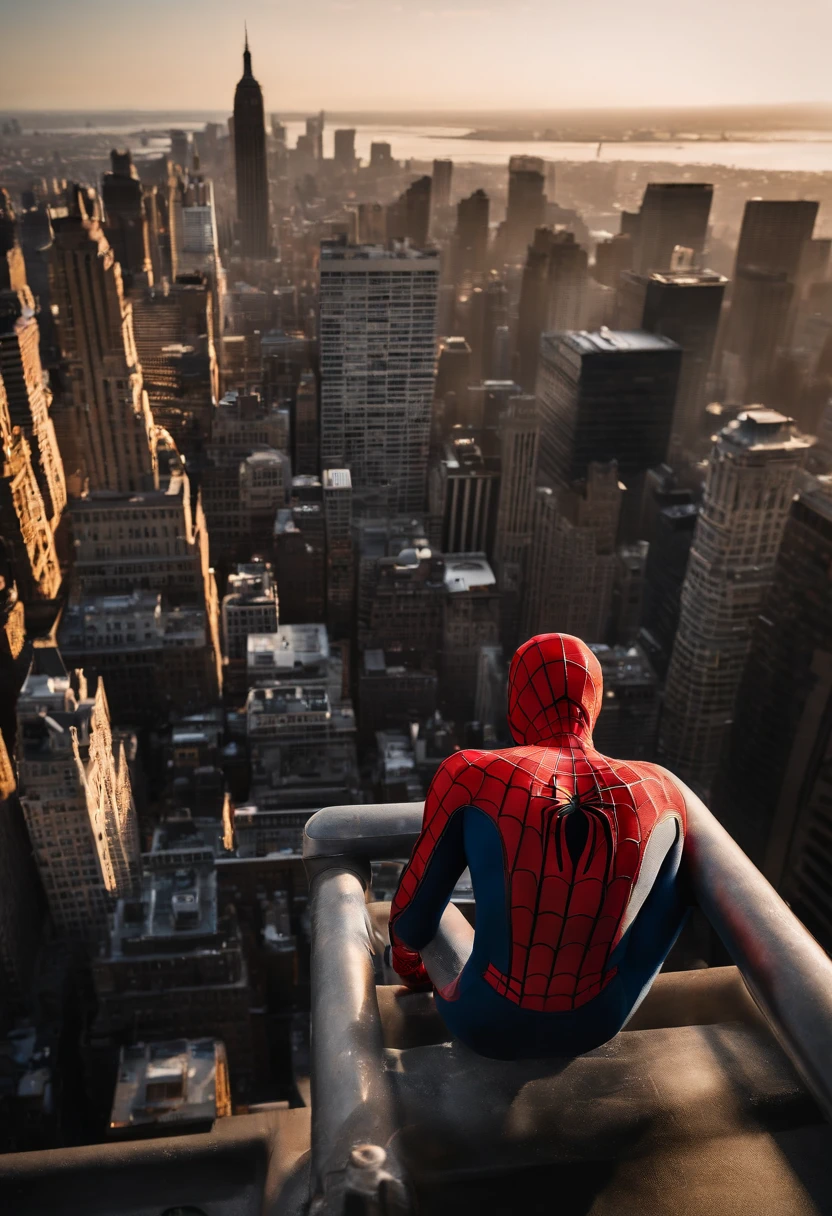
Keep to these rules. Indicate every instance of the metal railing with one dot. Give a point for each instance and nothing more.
(786, 971)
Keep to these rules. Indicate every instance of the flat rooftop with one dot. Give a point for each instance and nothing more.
(169, 1085)
(467, 572)
(613, 341)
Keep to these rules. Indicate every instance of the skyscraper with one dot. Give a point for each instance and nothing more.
(27, 396)
(748, 492)
(686, 305)
(377, 349)
(108, 434)
(125, 220)
(340, 558)
(464, 493)
(76, 797)
(573, 560)
(774, 234)
(443, 171)
(471, 240)
(605, 396)
(408, 219)
(552, 295)
(784, 694)
(250, 164)
(672, 213)
(526, 203)
(345, 148)
(21, 895)
(25, 523)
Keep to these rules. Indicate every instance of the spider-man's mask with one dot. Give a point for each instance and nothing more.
(554, 689)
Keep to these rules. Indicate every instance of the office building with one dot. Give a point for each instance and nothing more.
(249, 606)
(628, 724)
(453, 377)
(75, 791)
(612, 258)
(125, 218)
(748, 491)
(154, 658)
(21, 895)
(408, 219)
(168, 1088)
(470, 249)
(250, 168)
(107, 440)
(443, 171)
(526, 204)
(774, 235)
(465, 492)
(470, 620)
(553, 295)
(783, 701)
(377, 353)
(573, 561)
(173, 964)
(664, 576)
(756, 332)
(686, 306)
(394, 692)
(345, 156)
(519, 442)
(340, 557)
(27, 396)
(672, 214)
(605, 396)
(307, 432)
(25, 522)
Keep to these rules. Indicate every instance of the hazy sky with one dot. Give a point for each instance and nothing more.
(496, 54)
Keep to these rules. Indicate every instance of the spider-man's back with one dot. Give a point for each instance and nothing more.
(573, 858)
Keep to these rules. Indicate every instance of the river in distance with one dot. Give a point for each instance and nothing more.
(795, 152)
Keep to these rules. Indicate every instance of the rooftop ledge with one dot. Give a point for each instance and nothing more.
(714, 1099)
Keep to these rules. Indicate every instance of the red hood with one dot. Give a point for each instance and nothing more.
(554, 689)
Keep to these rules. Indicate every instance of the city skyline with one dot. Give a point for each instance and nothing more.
(349, 61)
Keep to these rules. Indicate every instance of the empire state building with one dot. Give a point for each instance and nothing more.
(250, 164)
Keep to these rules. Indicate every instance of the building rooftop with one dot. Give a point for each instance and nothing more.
(169, 1086)
(291, 648)
(337, 479)
(467, 572)
(759, 428)
(398, 252)
(612, 341)
(623, 664)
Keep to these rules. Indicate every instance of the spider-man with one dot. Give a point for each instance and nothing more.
(574, 861)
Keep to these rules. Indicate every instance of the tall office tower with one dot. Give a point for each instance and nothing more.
(495, 318)
(573, 560)
(605, 396)
(21, 895)
(784, 694)
(381, 156)
(345, 148)
(631, 703)
(300, 554)
(756, 331)
(12, 262)
(76, 797)
(470, 249)
(36, 244)
(377, 349)
(340, 557)
(27, 396)
(774, 235)
(250, 165)
(453, 377)
(464, 494)
(443, 171)
(470, 620)
(612, 258)
(408, 219)
(372, 224)
(553, 295)
(748, 492)
(307, 432)
(672, 213)
(250, 605)
(198, 241)
(107, 434)
(125, 219)
(25, 523)
(519, 443)
(315, 134)
(526, 204)
(685, 305)
(664, 577)
(181, 148)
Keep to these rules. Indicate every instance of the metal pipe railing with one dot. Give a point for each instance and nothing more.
(784, 968)
(787, 972)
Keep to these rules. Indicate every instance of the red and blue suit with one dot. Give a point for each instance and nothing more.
(574, 861)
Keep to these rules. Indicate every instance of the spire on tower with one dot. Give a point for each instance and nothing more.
(246, 54)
